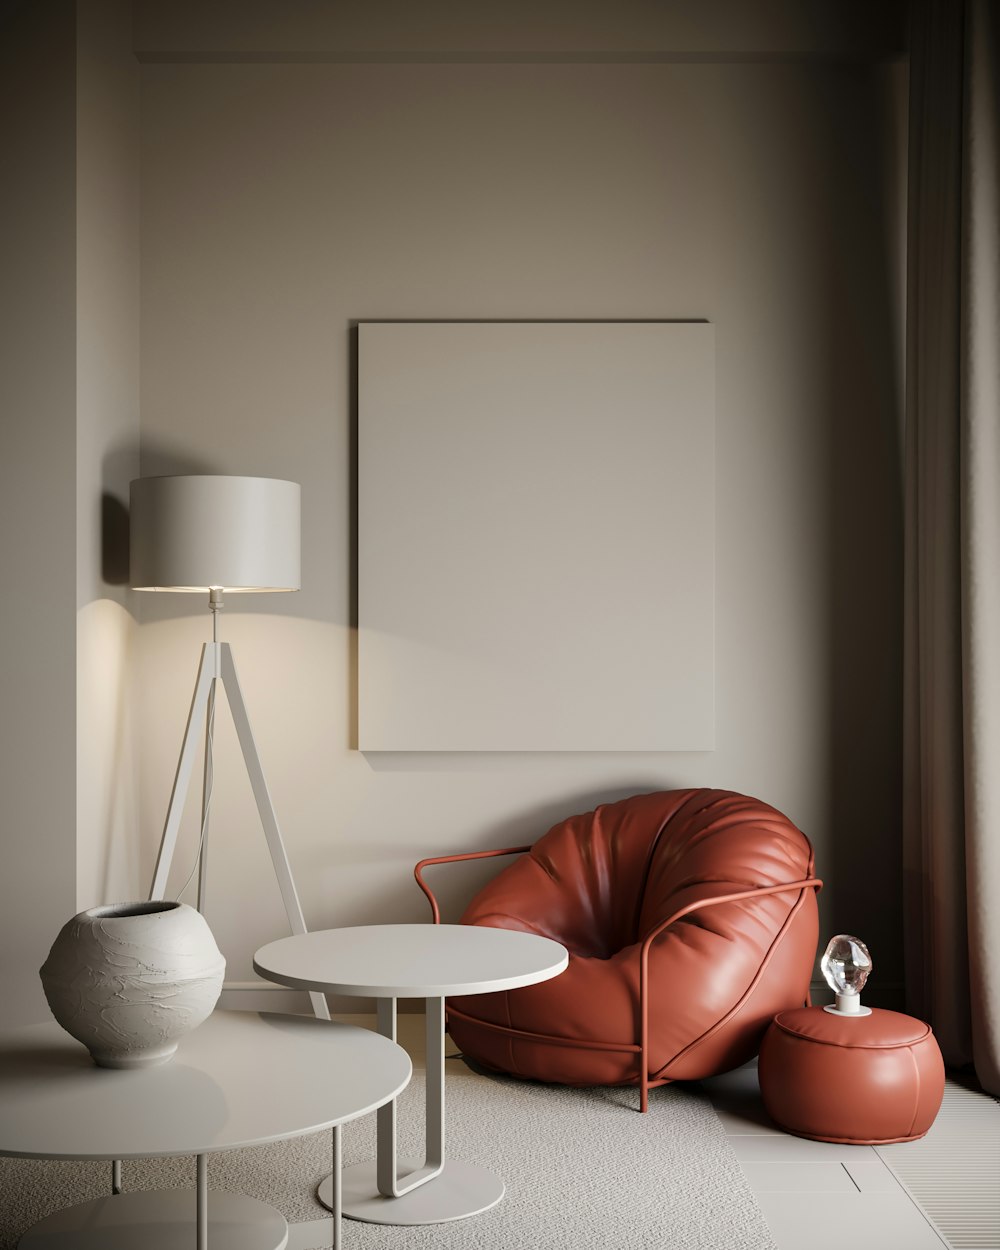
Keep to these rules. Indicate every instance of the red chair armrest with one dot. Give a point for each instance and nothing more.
(456, 859)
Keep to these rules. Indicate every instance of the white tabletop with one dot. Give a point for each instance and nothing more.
(411, 960)
(240, 1079)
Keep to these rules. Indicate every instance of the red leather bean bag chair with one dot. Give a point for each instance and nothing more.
(691, 920)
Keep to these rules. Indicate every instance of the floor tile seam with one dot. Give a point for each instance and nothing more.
(899, 1186)
(910, 1195)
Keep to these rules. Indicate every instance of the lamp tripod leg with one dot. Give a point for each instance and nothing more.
(207, 672)
(265, 808)
(217, 662)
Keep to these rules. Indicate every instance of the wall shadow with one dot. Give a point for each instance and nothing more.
(864, 503)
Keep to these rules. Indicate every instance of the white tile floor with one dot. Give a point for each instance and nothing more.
(817, 1195)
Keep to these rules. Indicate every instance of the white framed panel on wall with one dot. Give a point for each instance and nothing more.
(536, 536)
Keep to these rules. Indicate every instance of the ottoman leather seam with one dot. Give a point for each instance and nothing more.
(918, 1086)
(821, 1041)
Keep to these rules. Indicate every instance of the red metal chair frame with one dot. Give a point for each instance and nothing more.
(641, 1047)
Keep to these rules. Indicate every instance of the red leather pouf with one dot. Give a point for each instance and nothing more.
(864, 1080)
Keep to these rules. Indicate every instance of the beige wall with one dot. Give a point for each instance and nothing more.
(37, 495)
(69, 426)
(284, 201)
(496, 171)
(107, 432)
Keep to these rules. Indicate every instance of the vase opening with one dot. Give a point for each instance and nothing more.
(120, 911)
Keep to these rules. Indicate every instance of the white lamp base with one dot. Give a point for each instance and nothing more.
(848, 1005)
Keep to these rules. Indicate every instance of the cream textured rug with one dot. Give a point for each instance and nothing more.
(583, 1170)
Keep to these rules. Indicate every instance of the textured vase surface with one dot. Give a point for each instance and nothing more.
(131, 979)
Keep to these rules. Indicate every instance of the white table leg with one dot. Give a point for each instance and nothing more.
(201, 1203)
(337, 1179)
(390, 1190)
(390, 1184)
(434, 1094)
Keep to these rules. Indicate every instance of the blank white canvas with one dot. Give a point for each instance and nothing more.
(536, 536)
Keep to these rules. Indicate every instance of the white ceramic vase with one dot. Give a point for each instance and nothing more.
(129, 980)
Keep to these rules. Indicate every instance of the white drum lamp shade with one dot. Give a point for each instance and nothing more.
(204, 532)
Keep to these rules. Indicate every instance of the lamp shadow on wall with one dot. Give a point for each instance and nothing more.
(118, 466)
(159, 459)
(114, 540)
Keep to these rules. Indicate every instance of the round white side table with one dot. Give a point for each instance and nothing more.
(427, 961)
(240, 1079)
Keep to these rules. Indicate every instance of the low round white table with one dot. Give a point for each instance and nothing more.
(240, 1079)
(427, 961)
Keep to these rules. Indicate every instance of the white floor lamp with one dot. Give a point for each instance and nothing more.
(212, 534)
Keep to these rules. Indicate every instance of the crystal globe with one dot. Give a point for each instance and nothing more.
(846, 964)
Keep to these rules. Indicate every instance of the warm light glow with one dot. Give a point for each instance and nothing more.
(229, 590)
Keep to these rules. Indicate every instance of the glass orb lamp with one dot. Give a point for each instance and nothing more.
(846, 964)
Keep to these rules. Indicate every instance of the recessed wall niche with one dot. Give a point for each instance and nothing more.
(536, 536)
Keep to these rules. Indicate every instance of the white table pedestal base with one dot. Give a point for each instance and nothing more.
(460, 1190)
(413, 961)
(162, 1219)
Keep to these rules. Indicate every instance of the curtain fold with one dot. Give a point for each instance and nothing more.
(952, 534)
(980, 477)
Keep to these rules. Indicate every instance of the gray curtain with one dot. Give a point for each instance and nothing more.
(952, 579)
